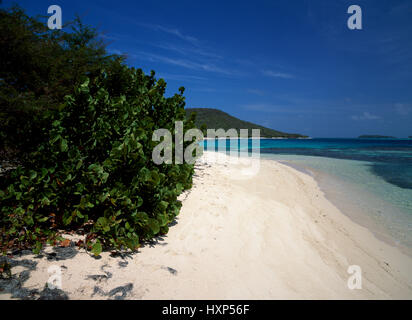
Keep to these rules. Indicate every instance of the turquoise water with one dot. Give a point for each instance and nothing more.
(369, 179)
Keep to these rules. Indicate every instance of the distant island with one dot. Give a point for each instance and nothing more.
(410, 137)
(216, 119)
(375, 136)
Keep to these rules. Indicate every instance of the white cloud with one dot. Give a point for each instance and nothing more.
(173, 31)
(185, 63)
(186, 50)
(403, 109)
(365, 116)
(181, 77)
(115, 51)
(275, 74)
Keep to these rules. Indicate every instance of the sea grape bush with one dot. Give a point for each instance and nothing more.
(95, 171)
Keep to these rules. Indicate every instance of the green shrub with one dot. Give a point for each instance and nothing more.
(95, 169)
(38, 67)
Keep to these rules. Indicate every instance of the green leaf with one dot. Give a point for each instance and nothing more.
(55, 138)
(104, 196)
(43, 172)
(67, 220)
(164, 229)
(63, 145)
(102, 221)
(104, 177)
(79, 164)
(84, 87)
(79, 214)
(33, 174)
(97, 248)
(163, 205)
(37, 248)
(43, 219)
(45, 201)
(162, 220)
(133, 242)
(154, 226)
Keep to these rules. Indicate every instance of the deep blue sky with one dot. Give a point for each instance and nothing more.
(289, 65)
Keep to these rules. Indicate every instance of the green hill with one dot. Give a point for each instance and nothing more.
(216, 119)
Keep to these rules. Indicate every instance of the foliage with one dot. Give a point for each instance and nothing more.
(92, 169)
(96, 171)
(216, 119)
(38, 67)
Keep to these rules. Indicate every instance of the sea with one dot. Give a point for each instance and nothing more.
(370, 180)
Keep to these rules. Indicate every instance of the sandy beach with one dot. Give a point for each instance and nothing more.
(272, 235)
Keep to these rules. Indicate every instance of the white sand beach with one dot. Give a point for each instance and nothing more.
(273, 235)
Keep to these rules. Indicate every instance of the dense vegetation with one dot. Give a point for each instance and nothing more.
(81, 123)
(215, 119)
(38, 67)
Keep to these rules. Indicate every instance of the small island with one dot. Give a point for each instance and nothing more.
(375, 136)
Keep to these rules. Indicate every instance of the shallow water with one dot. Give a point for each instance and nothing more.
(370, 180)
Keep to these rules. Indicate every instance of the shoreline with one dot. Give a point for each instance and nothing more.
(341, 194)
(355, 213)
(273, 235)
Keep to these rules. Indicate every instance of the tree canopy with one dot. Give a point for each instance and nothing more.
(38, 67)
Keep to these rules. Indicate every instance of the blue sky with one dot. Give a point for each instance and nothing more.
(293, 66)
